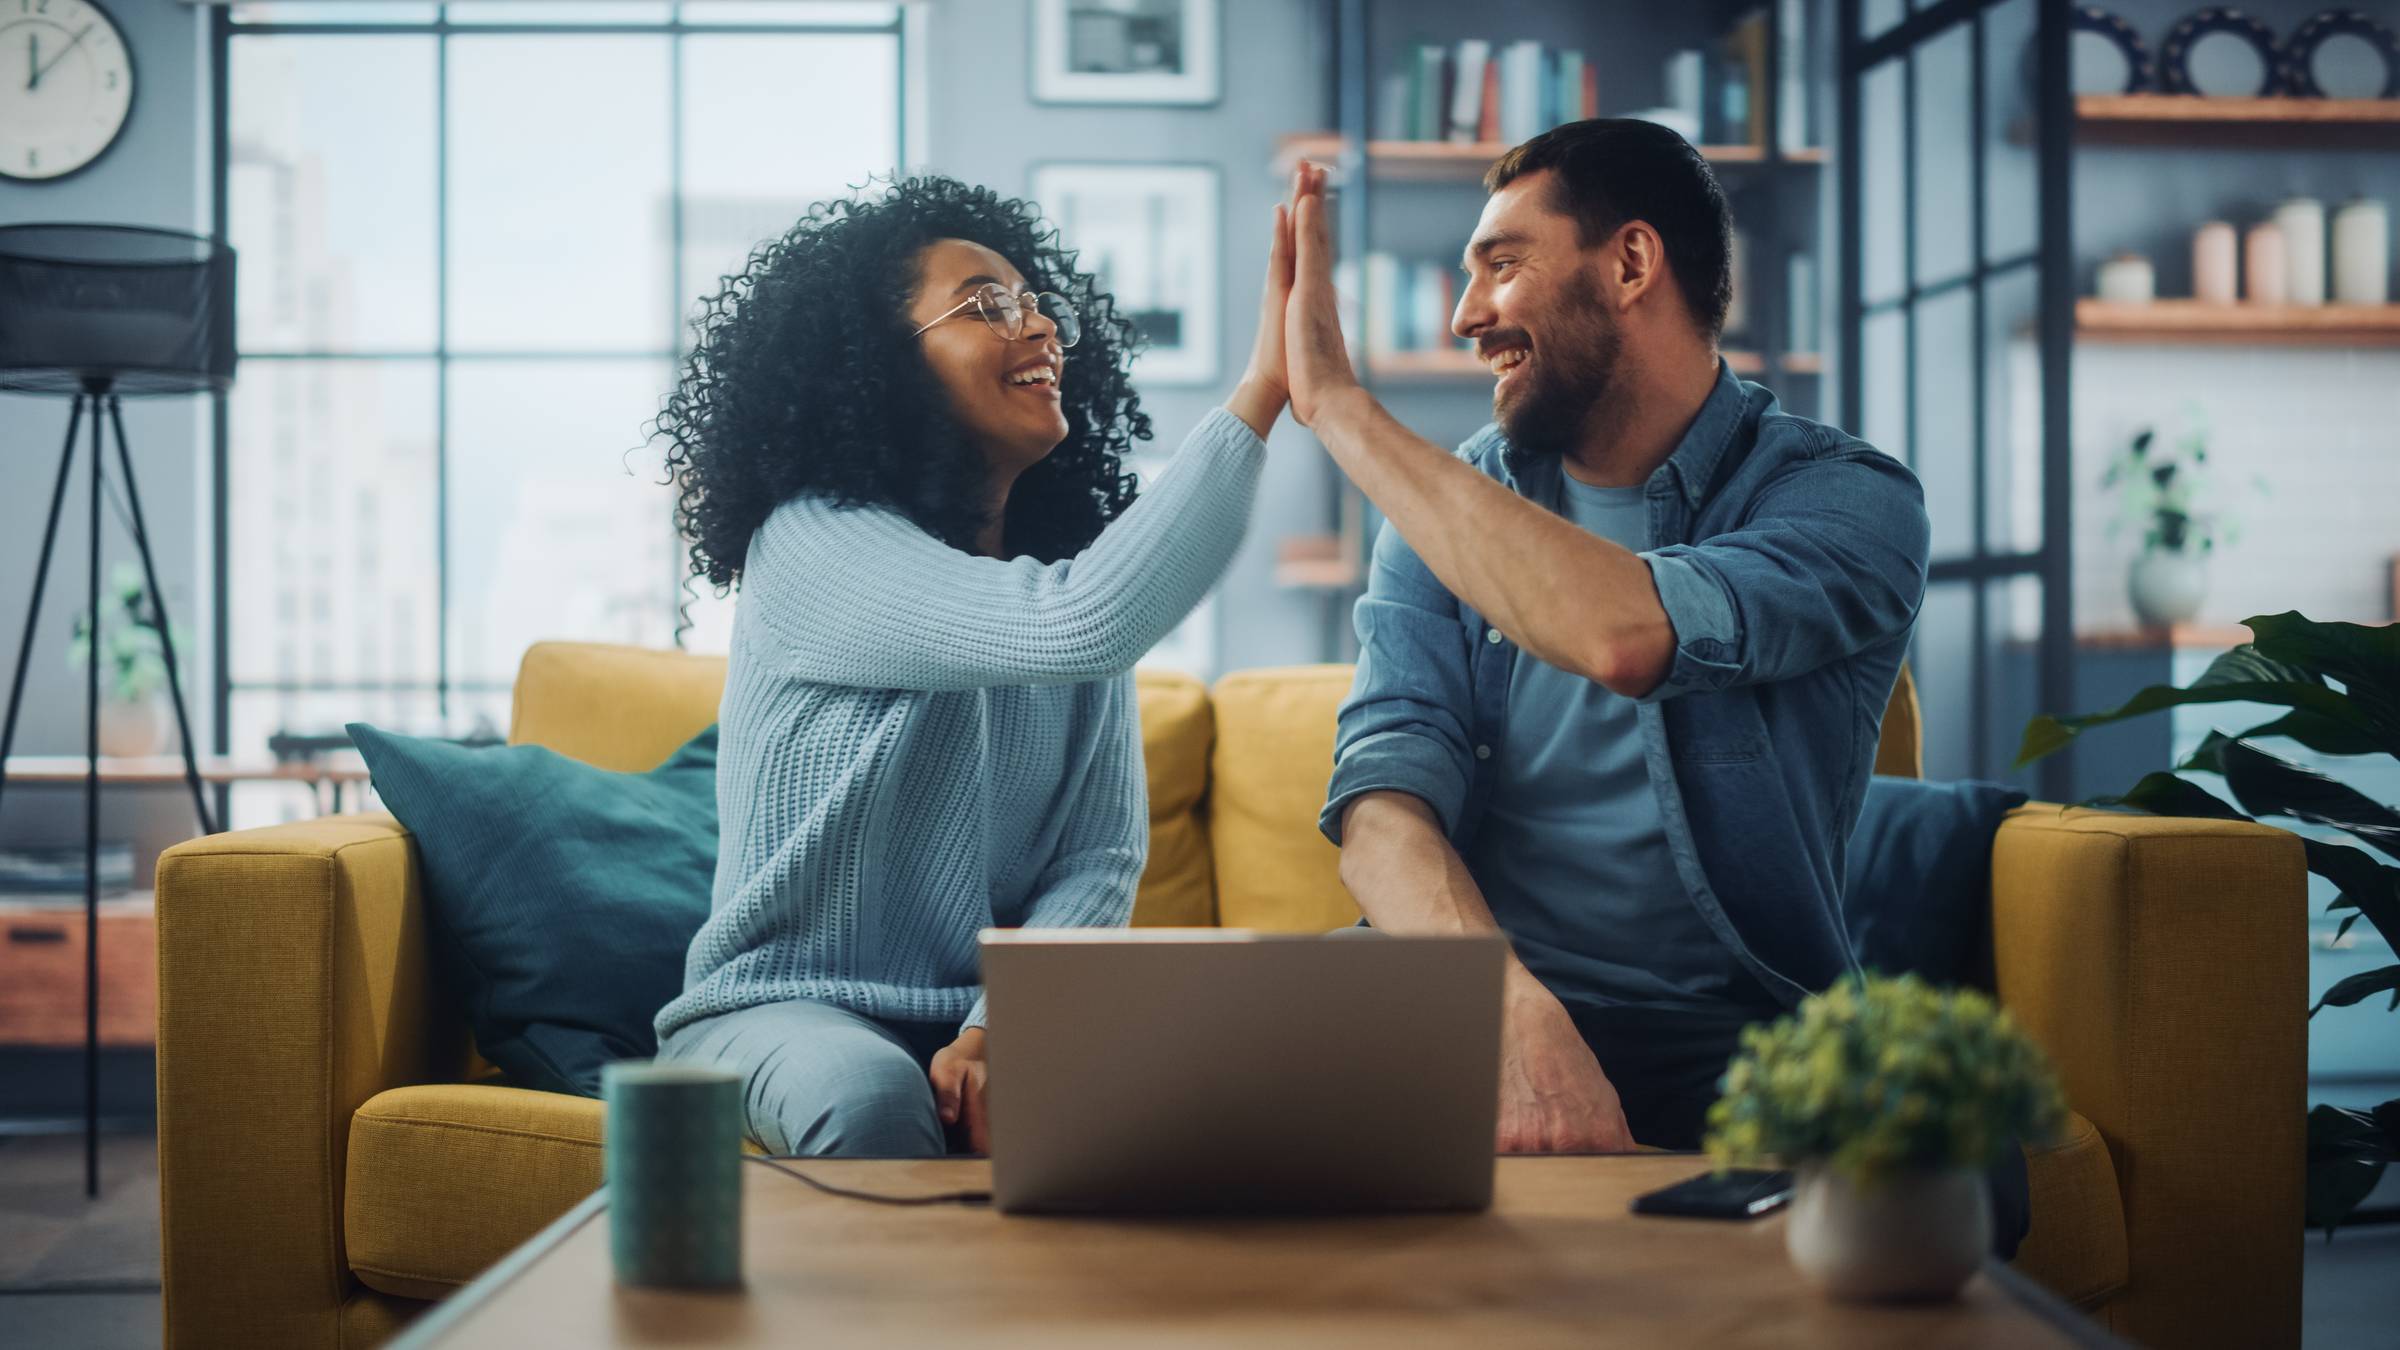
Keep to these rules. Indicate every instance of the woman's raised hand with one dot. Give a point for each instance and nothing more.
(1265, 388)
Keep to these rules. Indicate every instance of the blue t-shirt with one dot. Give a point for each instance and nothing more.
(1572, 853)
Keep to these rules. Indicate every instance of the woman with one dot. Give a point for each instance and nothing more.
(901, 431)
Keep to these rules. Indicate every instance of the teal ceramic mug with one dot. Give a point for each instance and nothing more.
(674, 1174)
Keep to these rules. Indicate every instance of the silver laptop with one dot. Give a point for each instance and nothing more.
(1166, 1070)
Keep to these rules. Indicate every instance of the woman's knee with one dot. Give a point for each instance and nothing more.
(822, 1082)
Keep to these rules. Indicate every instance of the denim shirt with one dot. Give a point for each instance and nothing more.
(1790, 558)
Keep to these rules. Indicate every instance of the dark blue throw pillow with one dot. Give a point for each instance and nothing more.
(561, 897)
(1918, 898)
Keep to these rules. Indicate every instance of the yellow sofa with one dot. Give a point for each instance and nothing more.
(332, 1154)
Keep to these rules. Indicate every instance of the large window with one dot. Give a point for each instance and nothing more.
(469, 236)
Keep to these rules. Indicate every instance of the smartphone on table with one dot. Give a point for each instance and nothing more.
(1741, 1193)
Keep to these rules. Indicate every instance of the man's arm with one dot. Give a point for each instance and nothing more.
(1830, 561)
(1554, 1095)
(1565, 596)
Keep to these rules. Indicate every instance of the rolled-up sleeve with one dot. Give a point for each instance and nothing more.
(1830, 561)
(1405, 726)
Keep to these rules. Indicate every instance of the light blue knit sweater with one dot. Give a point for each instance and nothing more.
(917, 743)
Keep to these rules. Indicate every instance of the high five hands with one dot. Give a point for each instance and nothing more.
(1299, 352)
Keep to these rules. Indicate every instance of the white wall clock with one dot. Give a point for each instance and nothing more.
(66, 85)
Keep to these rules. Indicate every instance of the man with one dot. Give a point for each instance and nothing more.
(1623, 658)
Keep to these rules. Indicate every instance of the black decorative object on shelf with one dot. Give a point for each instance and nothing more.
(2106, 55)
(94, 313)
(2221, 53)
(2342, 53)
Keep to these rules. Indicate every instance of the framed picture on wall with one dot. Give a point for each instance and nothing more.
(1125, 51)
(1149, 233)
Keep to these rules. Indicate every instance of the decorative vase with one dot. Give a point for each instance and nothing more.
(133, 727)
(2166, 586)
(1915, 1236)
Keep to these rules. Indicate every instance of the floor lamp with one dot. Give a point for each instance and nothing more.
(99, 313)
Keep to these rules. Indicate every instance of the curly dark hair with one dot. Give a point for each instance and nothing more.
(803, 377)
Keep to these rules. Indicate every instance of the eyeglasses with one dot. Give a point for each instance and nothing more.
(1004, 313)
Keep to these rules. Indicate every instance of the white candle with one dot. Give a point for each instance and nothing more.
(2267, 259)
(2212, 263)
(2303, 222)
(2126, 279)
(2362, 256)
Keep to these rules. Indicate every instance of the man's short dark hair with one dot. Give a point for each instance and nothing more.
(1611, 170)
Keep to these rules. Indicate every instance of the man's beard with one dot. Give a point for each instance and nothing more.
(1570, 376)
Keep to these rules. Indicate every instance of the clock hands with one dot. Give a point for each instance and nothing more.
(33, 60)
(44, 68)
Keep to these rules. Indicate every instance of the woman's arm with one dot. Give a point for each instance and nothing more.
(863, 597)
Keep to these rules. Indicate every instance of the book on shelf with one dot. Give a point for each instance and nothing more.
(1466, 89)
(1793, 130)
(32, 874)
(1429, 94)
(1800, 304)
(1408, 305)
(1741, 79)
(1478, 91)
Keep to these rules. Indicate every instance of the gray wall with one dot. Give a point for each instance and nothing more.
(155, 175)
(1278, 61)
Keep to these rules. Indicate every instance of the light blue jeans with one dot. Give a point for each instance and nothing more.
(824, 1081)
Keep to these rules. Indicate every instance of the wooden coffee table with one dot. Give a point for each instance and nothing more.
(1558, 1260)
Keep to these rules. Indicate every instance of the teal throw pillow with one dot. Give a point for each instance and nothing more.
(561, 897)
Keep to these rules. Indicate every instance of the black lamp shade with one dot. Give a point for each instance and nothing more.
(114, 308)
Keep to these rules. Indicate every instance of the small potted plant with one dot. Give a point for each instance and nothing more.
(1890, 1098)
(2164, 490)
(133, 721)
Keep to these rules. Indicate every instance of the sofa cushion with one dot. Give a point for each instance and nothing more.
(622, 708)
(2077, 1246)
(445, 1179)
(1918, 895)
(1178, 887)
(1267, 782)
(561, 896)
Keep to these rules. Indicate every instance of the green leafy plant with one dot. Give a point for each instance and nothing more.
(1878, 1076)
(130, 638)
(2339, 687)
(2164, 490)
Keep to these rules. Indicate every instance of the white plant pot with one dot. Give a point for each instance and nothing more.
(133, 728)
(2167, 587)
(1912, 1237)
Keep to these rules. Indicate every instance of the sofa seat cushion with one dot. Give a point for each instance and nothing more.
(2077, 1246)
(445, 1179)
(1179, 886)
(1274, 755)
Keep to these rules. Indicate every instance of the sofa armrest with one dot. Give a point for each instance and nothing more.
(293, 985)
(2162, 964)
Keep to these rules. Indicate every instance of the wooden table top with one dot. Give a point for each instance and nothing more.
(1558, 1260)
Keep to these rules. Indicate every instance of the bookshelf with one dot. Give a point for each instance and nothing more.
(1427, 95)
(1465, 161)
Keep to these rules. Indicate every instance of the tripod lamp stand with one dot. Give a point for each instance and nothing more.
(97, 314)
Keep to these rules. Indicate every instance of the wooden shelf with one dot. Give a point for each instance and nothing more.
(1452, 161)
(2188, 118)
(1451, 364)
(2196, 321)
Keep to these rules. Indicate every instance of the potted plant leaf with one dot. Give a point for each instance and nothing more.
(2163, 491)
(1891, 1099)
(133, 672)
(2338, 685)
